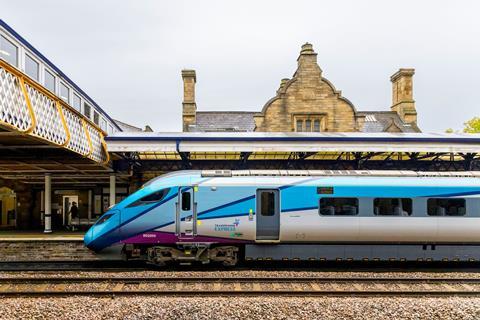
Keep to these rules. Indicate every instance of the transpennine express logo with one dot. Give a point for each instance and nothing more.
(227, 227)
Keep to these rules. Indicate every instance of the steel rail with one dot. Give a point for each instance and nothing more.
(312, 286)
(268, 280)
(228, 293)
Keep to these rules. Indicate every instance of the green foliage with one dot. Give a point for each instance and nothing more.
(472, 125)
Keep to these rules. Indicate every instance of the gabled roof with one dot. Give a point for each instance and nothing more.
(127, 127)
(230, 121)
(382, 121)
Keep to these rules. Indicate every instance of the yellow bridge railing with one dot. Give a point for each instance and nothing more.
(30, 109)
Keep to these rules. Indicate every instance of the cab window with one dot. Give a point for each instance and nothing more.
(104, 218)
(151, 198)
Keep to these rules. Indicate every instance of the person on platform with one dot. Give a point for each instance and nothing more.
(72, 215)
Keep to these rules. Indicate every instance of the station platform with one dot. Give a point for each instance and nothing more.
(35, 236)
(36, 246)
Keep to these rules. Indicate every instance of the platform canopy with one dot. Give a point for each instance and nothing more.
(145, 142)
(260, 150)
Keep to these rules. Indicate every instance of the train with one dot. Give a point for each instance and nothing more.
(227, 216)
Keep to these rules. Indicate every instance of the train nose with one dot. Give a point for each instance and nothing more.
(88, 237)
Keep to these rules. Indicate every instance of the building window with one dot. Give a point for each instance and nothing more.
(446, 207)
(76, 102)
(8, 51)
(31, 67)
(299, 127)
(96, 117)
(392, 206)
(49, 81)
(308, 123)
(87, 110)
(64, 92)
(338, 206)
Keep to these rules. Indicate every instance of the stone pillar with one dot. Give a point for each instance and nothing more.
(48, 203)
(189, 107)
(402, 95)
(112, 189)
(89, 205)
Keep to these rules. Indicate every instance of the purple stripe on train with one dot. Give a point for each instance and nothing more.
(171, 238)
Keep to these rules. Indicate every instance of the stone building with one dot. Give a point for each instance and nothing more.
(307, 102)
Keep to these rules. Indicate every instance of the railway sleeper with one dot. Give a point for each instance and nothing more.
(161, 255)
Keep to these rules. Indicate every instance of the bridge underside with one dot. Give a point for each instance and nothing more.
(27, 160)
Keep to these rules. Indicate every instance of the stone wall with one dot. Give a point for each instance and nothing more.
(45, 251)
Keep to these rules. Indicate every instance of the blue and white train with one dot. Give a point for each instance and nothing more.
(228, 216)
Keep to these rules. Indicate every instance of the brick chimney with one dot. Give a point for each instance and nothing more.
(189, 107)
(402, 95)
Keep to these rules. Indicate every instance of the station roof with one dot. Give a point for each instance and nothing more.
(258, 142)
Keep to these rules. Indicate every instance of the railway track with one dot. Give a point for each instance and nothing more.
(132, 266)
(238, 286)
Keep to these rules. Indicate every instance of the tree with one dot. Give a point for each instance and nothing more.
(472, 125)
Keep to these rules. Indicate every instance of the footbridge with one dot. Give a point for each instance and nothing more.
(52, 149)
(33, 117)
(48, 124)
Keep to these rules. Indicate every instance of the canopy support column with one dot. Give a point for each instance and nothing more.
(48, 203)
(112, 189)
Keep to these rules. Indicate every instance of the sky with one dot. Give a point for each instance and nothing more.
(128, 55)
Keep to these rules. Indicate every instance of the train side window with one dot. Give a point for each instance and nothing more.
(392, 206)
(186, 200)
(151, 198)
(338, 206)
(267, 206)
(446, 207)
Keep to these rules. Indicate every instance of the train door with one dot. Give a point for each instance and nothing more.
(186, 215)
(268, 214)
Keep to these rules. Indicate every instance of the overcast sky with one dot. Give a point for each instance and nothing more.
(128, 55)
